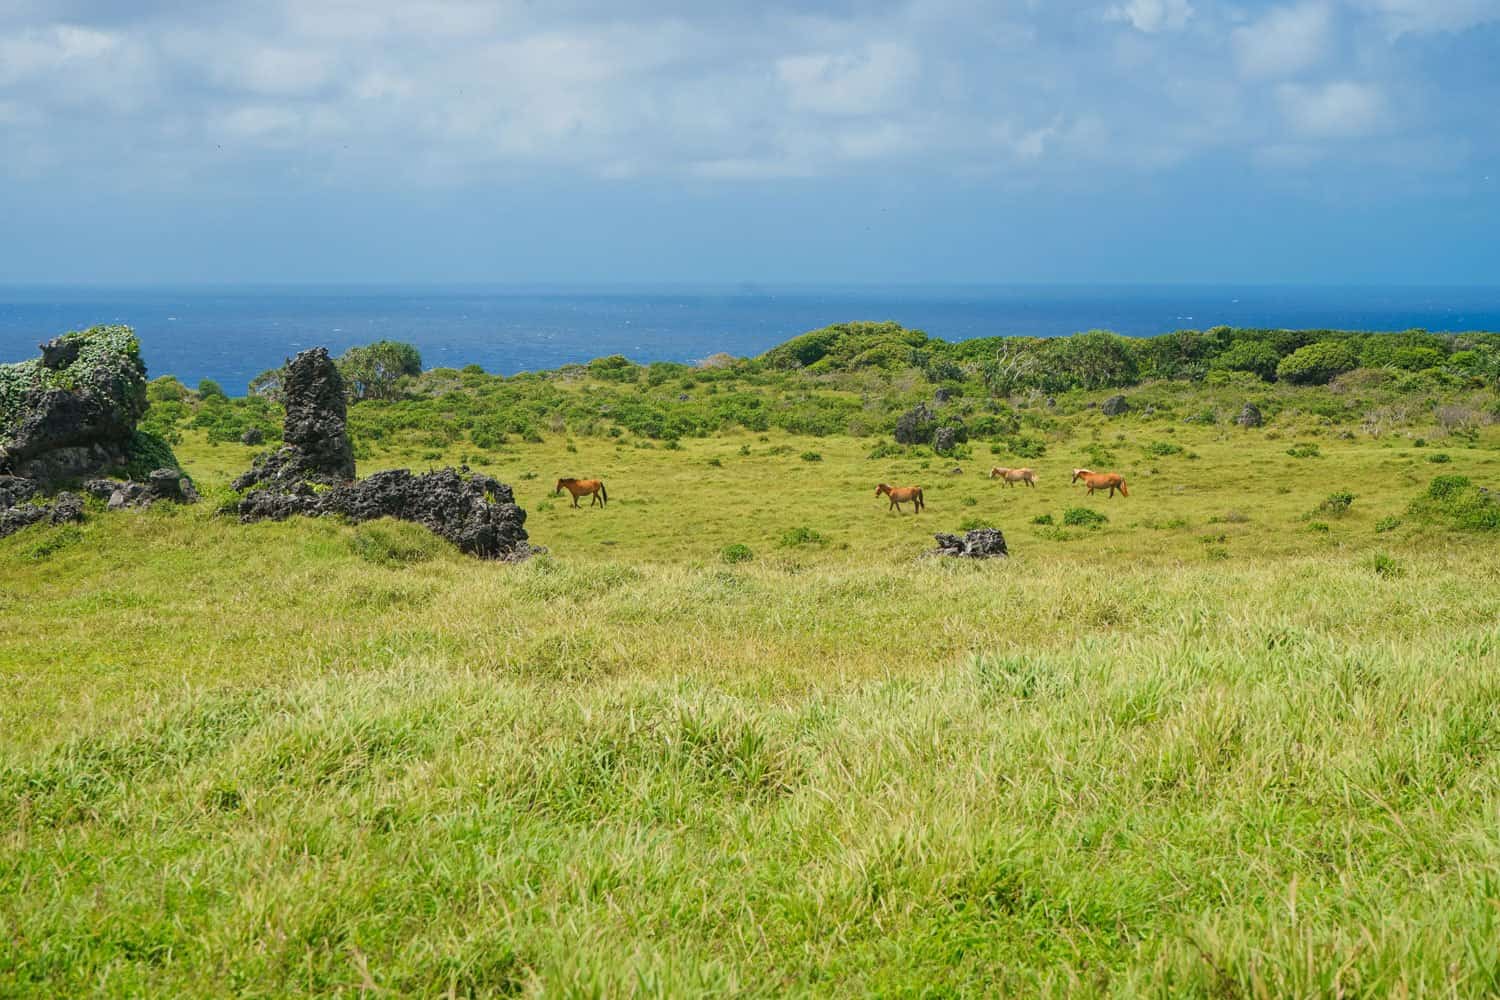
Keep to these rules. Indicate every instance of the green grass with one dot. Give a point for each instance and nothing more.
(309, 758)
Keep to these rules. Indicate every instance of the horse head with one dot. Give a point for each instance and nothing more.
(882, 488)
(1080, 473)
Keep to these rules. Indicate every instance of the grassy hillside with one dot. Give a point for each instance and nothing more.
(1239, 738)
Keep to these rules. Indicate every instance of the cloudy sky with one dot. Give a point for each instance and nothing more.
(596, 141)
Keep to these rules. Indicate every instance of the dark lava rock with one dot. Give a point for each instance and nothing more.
(1114, 406)
(316, 444)
(163, 484)
(15, 491)
(60, 352)
(916, 425)
(475, 512)
(64, 507)
(72, 412)
(943, 440)
(101, 489)
(252, 436)
(1051, 402)
(980, 543)
(942, 394)
(1249, 416)
(957, 470)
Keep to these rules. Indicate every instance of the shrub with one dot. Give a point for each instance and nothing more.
(1439, 458)
(64, 537)
(1042, 519)
(971, 523)
(802, 535)
(1457, 501)
(886, 449)
(1083, 517)
(736, 553)
(1254, 356)
(209, 389)
(1387, 524)
(1162, 448)
(1336, 504)
(1305, 450)
(811, 456)
(1385, 566)
(1317, 363)
(1318, 527)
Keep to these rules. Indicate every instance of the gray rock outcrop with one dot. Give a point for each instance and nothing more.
(315, 446)
(979, 543)
(1114, 406)
(1250, 416)
(312, 474)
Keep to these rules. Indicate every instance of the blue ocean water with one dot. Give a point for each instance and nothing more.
(230, 335)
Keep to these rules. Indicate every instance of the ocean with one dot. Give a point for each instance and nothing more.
(231, 335)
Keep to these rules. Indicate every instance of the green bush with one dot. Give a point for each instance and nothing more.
(1387, 524)
(1083, 517)
(1317, 363)
(802, 535)
(811, 456)
(394, 543)
(1306, 450)
(1254, 356)
(1042, 519)
(1457, 502)
(736, 553)
(1335, 504)
(972, 523)
(1439, 458)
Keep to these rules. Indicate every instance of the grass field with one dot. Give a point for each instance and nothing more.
(1233, 741)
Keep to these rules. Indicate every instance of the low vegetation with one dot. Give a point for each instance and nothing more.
(1233, 735)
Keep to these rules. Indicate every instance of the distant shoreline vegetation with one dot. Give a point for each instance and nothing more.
(862, 379)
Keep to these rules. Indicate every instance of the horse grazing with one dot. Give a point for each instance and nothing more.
(902, 494)
(1101, 480)
(1014, 476)
(593, 488)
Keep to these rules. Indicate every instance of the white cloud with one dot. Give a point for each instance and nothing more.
(1402, 17)
(1151, 16)
(865, 81)
(1285, 41)
(1341, 109)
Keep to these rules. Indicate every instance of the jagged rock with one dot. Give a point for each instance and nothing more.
(60, 352)
(101, 489)
(64, 508)
(980, 543)
(1249, 416)
(253, 436)
(915, 426)
(1051, 402)
(15, 491)
(1114, 406)
(942, 394)
(163, 484)
(316, 444)
(72, 412)
(943, 440)
(475, 512)
(957, 470)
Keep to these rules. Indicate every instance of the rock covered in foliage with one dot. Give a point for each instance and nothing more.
(1249, 416)
(1114, 406)
(253, 436)
(978, 543)
(316, 446)
(475, 512)
(72, 412)
(943, 440)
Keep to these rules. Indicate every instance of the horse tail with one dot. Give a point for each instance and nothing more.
(921, 503)
(603, 492)
(1123, 491)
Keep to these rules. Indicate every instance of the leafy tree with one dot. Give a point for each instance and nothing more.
(1317, 363)
(375, 371)
(1254, 356)
(209, 389)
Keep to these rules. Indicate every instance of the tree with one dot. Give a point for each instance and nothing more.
(1317, 363)
(376, 370)
(1255, 356)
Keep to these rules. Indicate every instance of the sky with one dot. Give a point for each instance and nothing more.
(677, 141)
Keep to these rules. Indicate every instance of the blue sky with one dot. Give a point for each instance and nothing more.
(603, 141)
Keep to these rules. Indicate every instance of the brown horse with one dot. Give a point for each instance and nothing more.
(1014, 476)
(902, 494)
(593, 488)
(1101, 480)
